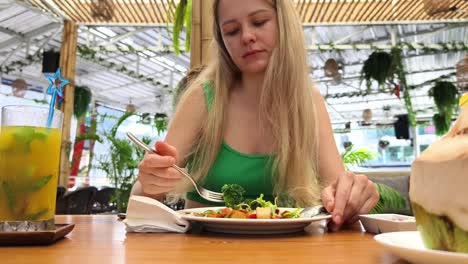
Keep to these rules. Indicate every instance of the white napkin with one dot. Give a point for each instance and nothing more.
(146, 215)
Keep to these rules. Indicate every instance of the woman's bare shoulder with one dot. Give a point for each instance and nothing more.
(187, 121)
(192, 103)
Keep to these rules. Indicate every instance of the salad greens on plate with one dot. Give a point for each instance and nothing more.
(238, 207)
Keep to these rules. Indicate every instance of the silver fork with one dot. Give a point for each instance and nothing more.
(314, 211)
(207, 194)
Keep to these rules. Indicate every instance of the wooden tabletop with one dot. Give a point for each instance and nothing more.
(102, 239)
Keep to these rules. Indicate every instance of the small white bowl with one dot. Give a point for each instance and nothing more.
(384, 223)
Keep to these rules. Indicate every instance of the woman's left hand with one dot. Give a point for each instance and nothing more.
(348, 197)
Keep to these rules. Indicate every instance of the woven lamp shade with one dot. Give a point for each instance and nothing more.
(434, 7)
(331, 68)
(131, 108)
(462, 74)
(102, 9)
(19, 87)
(367, 116)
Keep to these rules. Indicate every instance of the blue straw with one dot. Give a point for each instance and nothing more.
(53, 90)
(51, 110)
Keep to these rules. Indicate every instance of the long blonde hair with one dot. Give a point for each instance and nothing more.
(286, 109)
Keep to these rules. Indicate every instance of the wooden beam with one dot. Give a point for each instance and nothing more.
(202, 33)
(67, 64)
(206, 30)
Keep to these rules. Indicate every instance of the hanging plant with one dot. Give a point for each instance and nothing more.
(445, 96)
(384, 67)
(82, 99)
(377, 67)
(160, 122)
(399, 70)
(182, 16)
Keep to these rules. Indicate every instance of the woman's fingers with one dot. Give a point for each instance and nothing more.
(156, 174)
(357, 196)
(168, 173)
(328, 198)
(154, 189)
(343, 190)
(155, 184)
(156, 161)
(370, 197)
(164, 149)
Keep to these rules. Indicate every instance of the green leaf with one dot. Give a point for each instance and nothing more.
(24, 136)
(188, 25)
(36, 216)
(357, 157)
(124, 117)
(29, 171)
(88, 136)
(39, 184)
(82, 99)
(10, 194)
(179, 18)
(389, 199)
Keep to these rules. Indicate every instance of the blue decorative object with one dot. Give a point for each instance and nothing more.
(55, 91)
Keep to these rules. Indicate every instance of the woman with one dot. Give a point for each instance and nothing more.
(253, 118)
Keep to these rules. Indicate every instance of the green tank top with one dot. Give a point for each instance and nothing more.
(251, 171)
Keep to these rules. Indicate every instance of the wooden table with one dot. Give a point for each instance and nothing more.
(102, 239)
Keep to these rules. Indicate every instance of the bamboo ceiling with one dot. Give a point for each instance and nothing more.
(151, 12)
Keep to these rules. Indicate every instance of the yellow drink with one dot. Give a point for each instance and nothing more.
(29, 163)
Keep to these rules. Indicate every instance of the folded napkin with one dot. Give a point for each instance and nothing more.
(146, 215)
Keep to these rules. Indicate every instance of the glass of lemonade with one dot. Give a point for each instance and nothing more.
(29, 167)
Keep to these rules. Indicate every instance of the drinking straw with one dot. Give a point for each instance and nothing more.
(55, 91)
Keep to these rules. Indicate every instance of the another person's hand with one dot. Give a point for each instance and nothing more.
(348, 197)
(155, 172)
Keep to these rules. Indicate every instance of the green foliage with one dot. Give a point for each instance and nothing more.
(89, 54)
(442, 122)
(445, 96)
(377, 67)
(88, 136)
(399, 70)
(160, 122)
(24, 136)
(384, 67)
(233, 194)
(188, 25)
(39, 184)
(389, 197)
(82, 99)
(10, 194)
(182, 16)
(357, 157)
(121, 163)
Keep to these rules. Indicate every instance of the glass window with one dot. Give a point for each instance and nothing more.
(392, 152)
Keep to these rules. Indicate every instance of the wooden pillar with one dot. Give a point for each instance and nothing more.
(67, 64)
(202, 33)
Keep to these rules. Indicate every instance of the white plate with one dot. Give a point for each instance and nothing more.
(384, 223)
(409, 246)
(250, 226)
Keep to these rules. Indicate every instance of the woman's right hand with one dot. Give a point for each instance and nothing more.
(155, 172)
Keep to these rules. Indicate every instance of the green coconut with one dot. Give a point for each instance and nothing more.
(439, 232)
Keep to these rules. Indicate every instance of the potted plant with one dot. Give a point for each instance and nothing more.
(121, 163)
(445, 96)
(385, 68)
(81, 101)
(161, 121)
